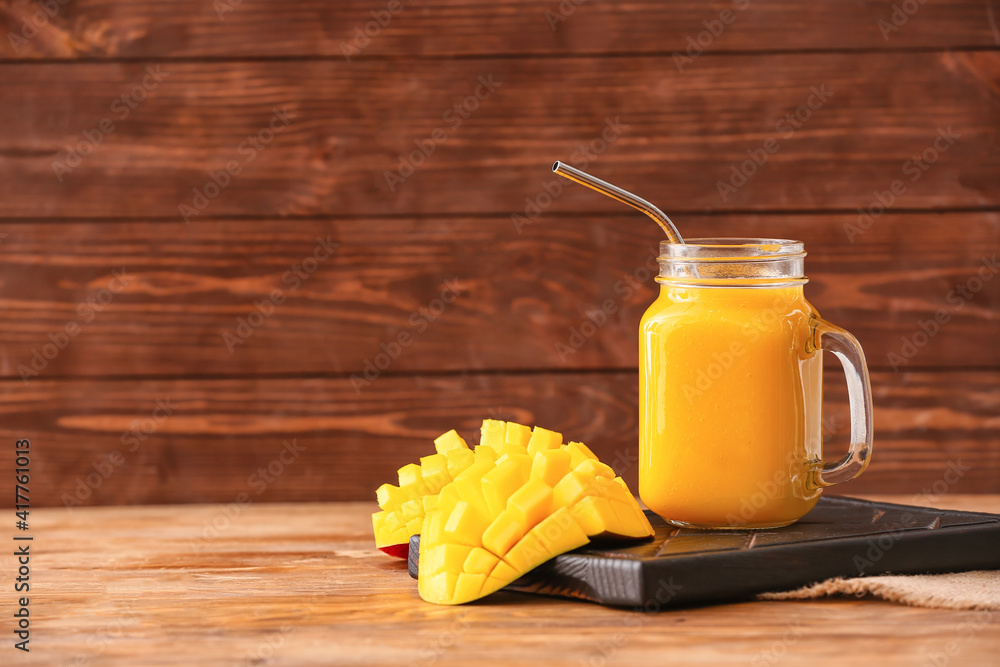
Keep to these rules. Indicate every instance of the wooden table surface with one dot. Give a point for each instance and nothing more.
(301, 584)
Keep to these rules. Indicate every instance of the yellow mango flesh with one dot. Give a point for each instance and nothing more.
(404, 506)
(493, 434)
(517, 434)
(501, 519)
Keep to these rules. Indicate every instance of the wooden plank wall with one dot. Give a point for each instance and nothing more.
(215, 216)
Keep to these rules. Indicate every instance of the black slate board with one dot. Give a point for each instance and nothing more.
(840, 537)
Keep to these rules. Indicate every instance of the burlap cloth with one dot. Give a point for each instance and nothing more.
(962, 590)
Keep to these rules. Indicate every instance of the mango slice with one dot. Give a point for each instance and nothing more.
(404, 506)
(500, 519)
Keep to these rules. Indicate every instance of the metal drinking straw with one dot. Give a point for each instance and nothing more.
(624, 196)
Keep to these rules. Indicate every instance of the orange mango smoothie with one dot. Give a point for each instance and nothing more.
(731, 391)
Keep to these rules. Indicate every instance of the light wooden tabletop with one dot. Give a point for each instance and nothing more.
(301, 584)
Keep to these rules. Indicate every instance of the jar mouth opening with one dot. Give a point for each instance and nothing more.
(729, 261)
(732, 248)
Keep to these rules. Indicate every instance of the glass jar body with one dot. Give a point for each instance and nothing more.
(730, 404)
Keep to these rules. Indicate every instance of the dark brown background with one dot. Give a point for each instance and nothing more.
(493, 352)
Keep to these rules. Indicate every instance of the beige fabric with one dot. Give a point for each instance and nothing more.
(962, 590)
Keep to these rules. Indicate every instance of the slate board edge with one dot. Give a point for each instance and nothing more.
(729, 576)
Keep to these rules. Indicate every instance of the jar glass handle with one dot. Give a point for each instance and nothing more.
(859, 394)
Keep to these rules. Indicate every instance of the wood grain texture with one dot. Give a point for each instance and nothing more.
(158, 98)
(221, 437)
(350, 123)
(230, 28)
(301, 584)
(189, 286)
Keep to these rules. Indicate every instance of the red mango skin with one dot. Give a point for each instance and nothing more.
(397, 550)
